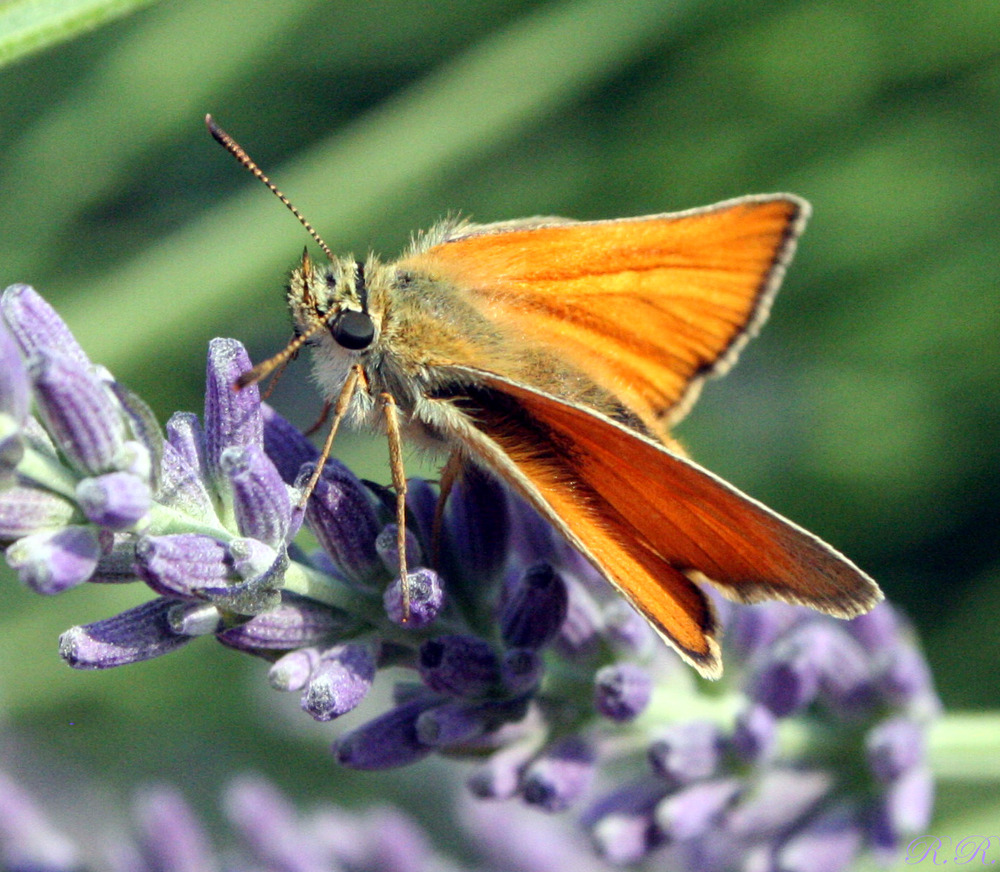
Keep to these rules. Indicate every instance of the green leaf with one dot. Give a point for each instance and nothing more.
(28, 26)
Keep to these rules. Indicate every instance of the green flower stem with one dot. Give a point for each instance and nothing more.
(164, 521)
(319, 586)
(966, 746)
(47, 472)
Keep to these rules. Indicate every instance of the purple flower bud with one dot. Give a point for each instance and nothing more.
(116, 500)
(182, 565)
(421, 505)
(828, 843)
(141, 633)
(52, 561)
(694, 809)
(341, 516)
(624, 838)
(580, 634)
(78, 412)
(232, 417)
(878, 629)
(387, 741)
(250, 557)
(779, 799)
(476, 727)
(450, 723)
(36, 326)
(181, 486)
(788, 679)
(396, 843)
(754, 734)
(260, 499)
(388, 550)
(426, 598)
(904, 809)
(893, 747)
(499, 777)
(15, 393)
(291, 671)
(285, 445)
(186, 436)
(904, 678)
(535, 609)
(622, 691)
(268, 822)
(28, 841)
(627, 630)
(844, 670)
(135, 458)
(560, 776)
(521, 670)
(753, 629)
(621, 822)
(341, 679)
(172, 836)
(686, 751)
(532, 538)
(516, 838)
(476, 526)
(26, 510)
(459, 665)
(295, 623)
(253, 596)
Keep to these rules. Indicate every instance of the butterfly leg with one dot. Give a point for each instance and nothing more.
(399, 484)
(355, 378)
(324, 415)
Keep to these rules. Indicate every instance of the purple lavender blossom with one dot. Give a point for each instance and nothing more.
(520, 656)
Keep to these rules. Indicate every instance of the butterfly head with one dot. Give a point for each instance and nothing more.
(333, 299)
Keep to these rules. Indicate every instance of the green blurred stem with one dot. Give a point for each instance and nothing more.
(966, 746)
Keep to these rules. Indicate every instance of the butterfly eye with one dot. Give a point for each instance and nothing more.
(353, 330)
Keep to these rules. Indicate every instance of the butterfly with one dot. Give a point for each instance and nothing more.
(557, 355)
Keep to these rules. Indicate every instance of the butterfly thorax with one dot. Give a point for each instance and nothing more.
(415, 335)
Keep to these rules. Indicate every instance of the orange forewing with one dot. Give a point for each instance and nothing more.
(646, 516)
(646, 307)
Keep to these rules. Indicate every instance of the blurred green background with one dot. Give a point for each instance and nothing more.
(868, 410)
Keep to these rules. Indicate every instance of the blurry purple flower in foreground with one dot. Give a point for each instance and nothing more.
(265, 832)
(808, 752)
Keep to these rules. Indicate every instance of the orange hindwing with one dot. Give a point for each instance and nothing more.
(648, 518)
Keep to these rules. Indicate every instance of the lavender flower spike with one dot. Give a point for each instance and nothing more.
(515, 651)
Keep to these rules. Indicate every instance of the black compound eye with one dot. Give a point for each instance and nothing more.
(353, 330)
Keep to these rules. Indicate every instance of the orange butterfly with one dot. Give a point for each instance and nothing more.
(557, 354)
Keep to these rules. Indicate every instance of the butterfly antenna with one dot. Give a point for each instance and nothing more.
(234, 148)
(263, 369)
